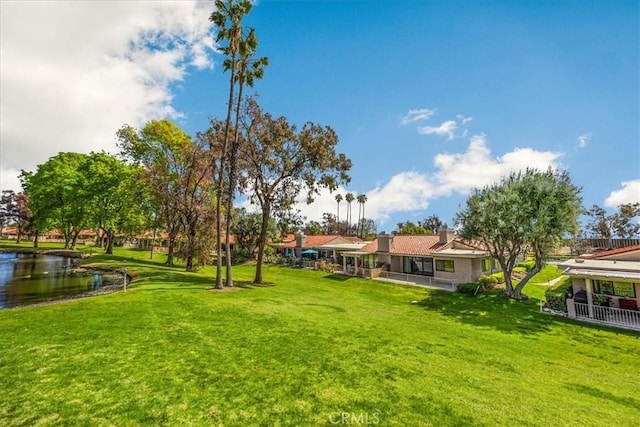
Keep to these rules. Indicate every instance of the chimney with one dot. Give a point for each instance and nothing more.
(446, 234)
(301, 241)
(385, 242)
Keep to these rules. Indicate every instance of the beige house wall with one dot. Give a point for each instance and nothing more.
(463, 270)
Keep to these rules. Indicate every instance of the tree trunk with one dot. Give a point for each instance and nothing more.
(266, 212)
(153, 242)
(223, 157)
(74, 240)
(191, 241)
(36, 239)
(170, 250)
(111, 235)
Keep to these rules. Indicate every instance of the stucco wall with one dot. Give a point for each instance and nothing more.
(463, 270)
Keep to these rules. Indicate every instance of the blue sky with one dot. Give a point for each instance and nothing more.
(429, 98)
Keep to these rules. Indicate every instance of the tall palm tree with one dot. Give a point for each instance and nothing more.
(362, 199)
(228, 21)
(338, 200)
(349, 198)
(247, 71)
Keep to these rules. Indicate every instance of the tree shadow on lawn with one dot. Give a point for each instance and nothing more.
(337, 277)
(601, 394)
(110, 259)
(491, 310)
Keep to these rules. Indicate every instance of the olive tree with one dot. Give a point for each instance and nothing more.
(526, 212)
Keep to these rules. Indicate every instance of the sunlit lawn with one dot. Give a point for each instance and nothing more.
(303, 350)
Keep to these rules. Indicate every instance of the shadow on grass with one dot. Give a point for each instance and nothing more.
(491, 311)
(337, 277)
(123, 259)
(629, 402)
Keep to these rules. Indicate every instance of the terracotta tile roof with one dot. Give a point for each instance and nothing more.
(313, 241)
(610, 252)
(415, 245)
(353, 239)
(371, 247)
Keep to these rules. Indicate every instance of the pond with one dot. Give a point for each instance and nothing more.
(33, 278)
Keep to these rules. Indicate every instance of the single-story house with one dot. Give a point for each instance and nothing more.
(10, 233)
(606, 287)
(326, 246)
(441, 259)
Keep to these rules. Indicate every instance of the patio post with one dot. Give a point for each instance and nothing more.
(344, 264)
(589, 286)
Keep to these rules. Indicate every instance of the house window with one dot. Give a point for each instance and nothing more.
(486, 264)
(418, 265)
(445, 265)
(618, 289)
(369, 261)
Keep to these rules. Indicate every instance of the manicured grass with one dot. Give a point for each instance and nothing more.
(301, 350)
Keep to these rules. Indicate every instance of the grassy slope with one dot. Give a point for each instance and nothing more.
(170, 352)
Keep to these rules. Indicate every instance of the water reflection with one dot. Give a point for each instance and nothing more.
(32, 278)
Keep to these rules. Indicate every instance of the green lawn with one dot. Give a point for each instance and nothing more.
(305, 349)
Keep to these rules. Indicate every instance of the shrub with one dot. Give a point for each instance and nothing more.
(498, 276)
(488, 282)
(470, 288)
(527, 265)
(557, 296)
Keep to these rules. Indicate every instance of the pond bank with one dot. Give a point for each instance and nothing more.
(39, 282)
(69, 253)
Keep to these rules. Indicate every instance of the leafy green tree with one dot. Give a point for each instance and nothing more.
(246, 229)
(288, 220)
(58, 195)
(329, 223)
(432, 223)
(163, 150)
(409, 228)
(626, 221)
(623, 223)
(368, 228)
(313, 228)
(117, 197)
(14, 210)
(280, 160)
(599, 224)
(527, 211)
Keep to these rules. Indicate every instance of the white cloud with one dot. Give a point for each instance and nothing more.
(584, 140)
(419, 114)
(405, 192)
(72, 73)
(463, 120)
(629, 193)
(462, 172)
(412, 191)
(445, 129)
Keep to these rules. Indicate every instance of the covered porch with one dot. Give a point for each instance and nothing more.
(609, 297)
(619, 317)
(361, 264)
